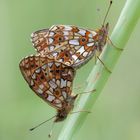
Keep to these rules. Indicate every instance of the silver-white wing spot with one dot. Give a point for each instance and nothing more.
(74, 42)
(94, 33)
(90, 40)
(49, 92)
(74, 57)
(50, 64)
(67, 27)
(65, 32)
(54, 54)
(57, 101)
(58, 82)
(34, 76)
(90, 44)
(51, 34)
(53, 79)
(68, 83)
(51, 48)
(64, 94)
(51, 89)
(41, 86)
(59, 105)
(52, 84)
(61, 98)
(85, 54)
(63, 83)
(90, 35)
(44, 66)
(32, 83)
(39, 91)
(50, 98)
(38, 70)
(82, 32)
(57, 64)
(50, 40)
(66, 37)
(33, 35)
(81, 50)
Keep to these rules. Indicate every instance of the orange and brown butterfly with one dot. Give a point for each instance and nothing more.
(70, 44)
(52, 81)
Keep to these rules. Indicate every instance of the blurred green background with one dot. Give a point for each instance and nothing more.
(116, 114)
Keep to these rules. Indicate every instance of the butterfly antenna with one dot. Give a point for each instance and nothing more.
(107, 12)
(41, 123)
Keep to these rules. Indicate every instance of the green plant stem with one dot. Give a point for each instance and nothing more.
(99, 75)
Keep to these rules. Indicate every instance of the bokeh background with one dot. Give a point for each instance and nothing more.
(115, 115)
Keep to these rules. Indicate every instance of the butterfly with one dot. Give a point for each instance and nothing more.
(70, 44)
(51, 81)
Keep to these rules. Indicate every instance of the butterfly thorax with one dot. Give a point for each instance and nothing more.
(102, 37)
(67, 107)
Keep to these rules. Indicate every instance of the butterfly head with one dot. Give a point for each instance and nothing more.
(102, 35)
(67, 107)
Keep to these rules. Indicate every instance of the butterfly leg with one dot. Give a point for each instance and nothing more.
(85, 92)
(95, 59)
(85, 111)
(103, 64)
(119, 49)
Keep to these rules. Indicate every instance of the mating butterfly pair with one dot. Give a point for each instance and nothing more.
(51, 72)
(60, 51)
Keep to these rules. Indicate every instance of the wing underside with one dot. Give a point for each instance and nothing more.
(49, 79)
(68, 44)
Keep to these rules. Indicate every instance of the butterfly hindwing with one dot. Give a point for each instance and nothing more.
(40, 39)
(49, 79)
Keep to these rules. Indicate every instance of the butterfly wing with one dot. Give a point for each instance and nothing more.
(39, 39)
(70, 44)
(50, 80)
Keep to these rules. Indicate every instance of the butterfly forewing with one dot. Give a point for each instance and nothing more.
(50, 80)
